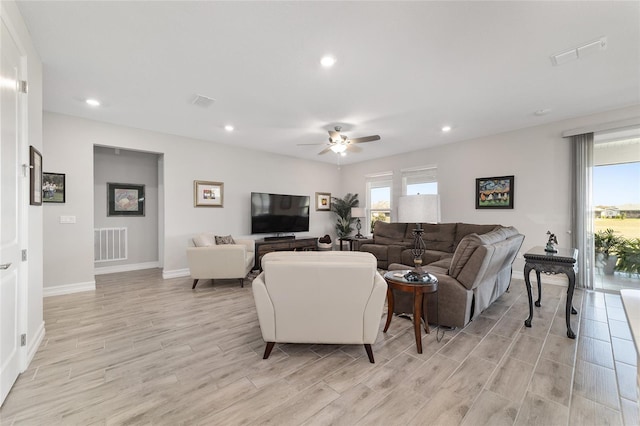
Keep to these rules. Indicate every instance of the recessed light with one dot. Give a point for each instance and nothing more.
(446, 128)
(542, 111)
(93, 102)
(228, 128)
(328, 61)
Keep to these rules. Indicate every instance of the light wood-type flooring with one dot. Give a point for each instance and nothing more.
(141, 350)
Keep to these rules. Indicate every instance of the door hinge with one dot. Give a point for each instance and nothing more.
(24, 255)
(23, 87)
(23, 340)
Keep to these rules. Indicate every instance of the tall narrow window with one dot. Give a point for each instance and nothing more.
(379, 198)
(420, 180)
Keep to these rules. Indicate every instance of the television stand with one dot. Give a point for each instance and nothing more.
(289, 243)
(284, 237)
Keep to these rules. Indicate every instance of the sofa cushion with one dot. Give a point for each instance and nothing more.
(463, 253)
(494, 236)
(226, 239)
(464, 229)
(439, 236)
(389, 233)
(204, 240)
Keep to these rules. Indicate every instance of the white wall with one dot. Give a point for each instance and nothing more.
(538, 157)
(34, 327)
(68, 249)
(131, 167)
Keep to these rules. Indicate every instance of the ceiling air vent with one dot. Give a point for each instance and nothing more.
(579, 52)
(203, 101)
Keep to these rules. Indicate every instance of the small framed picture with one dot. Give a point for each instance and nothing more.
(53, 188)
(494, 192)
(35, 177)
(208, 194)
(323, 201)
(125, 199)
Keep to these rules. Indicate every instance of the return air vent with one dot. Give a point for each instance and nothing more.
(579, 52)
(203, 101)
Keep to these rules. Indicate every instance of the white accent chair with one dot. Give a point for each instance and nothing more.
(319, 297)
(210, 261)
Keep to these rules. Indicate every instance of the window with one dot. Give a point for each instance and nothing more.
(420, 180)
(378, 198)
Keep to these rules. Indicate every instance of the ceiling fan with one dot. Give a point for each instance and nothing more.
(340, 143)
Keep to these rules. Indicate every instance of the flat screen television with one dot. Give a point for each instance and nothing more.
(279, 213)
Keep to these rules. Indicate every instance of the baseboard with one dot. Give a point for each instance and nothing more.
(33, 343)
(59, 290)
(176, 273)
(559, 279)
(125, 268)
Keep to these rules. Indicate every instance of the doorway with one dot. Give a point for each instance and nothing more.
(616, 208)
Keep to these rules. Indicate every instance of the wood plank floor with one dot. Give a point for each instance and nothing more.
(142, 350)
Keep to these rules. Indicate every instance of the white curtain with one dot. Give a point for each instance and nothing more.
(582, 208)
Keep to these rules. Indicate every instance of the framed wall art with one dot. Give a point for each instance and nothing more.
(125, 199)
(53, 188)
(323, 201)
(494, 192)
(35, 177)
(208, 194)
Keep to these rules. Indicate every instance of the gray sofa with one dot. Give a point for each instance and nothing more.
(472, 264)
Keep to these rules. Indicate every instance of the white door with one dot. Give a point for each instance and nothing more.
(10, 200)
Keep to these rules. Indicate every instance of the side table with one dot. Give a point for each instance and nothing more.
(396, 281)
(562, 262)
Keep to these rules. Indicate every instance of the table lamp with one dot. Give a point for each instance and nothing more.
(418, 209)
(358, 212)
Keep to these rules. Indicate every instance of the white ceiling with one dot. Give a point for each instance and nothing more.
(404, 69)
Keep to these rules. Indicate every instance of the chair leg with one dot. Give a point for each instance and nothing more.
(242, 282)
(367, 347)
(267, 350)
(194, 284)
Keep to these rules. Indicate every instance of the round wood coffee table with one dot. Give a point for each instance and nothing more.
(396, 281)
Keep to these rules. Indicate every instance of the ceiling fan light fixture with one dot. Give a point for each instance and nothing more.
(339, 148)
(328, 61)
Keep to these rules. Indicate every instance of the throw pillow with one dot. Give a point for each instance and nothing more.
(227, 239)
(463, 253)
(204, 240)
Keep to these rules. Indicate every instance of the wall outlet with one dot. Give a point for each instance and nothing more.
(67, 219)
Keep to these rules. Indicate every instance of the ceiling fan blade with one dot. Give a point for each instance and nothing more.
(365, 139)
(324, 151)
(353, 148)
(333, 135)
(318, 143)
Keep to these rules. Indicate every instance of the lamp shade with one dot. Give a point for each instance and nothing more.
(357, 212)
(419, 208)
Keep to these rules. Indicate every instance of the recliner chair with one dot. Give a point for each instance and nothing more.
(319, 297)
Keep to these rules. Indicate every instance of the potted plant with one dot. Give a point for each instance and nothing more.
(342, 208)
(629, 256)
(607, 245)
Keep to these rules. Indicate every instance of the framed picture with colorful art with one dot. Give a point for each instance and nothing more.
(208, 194)
(125, 199)
(494, 192)
(323, 201)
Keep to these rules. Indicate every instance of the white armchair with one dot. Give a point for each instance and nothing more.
(221, 261)
(319, 297)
